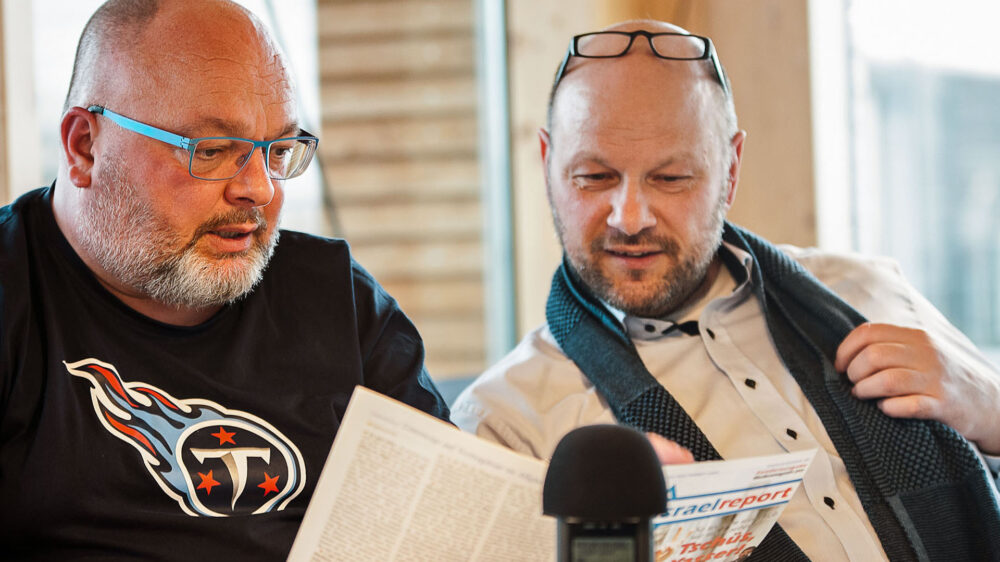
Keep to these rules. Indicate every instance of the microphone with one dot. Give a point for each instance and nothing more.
(604, 484)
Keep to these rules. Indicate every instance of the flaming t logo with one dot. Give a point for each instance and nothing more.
(192, 446)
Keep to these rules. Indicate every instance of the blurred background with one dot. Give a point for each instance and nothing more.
(874, 126)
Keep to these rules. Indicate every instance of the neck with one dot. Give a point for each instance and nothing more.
(167, 314)
(706, 284)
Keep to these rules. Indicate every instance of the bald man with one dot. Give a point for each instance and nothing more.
(171, 375)
(666, 317)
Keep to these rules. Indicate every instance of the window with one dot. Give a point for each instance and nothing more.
(923, 82)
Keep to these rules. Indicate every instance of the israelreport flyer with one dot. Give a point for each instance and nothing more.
(707, 521)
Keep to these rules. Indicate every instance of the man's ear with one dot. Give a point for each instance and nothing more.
(735, 160)
(77, 132)
(545, 143)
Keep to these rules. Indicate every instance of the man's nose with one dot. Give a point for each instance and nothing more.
(630, 209)
(252, 186)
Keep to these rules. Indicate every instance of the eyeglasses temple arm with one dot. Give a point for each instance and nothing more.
(713, 55)
(562, 65)
(142, 128)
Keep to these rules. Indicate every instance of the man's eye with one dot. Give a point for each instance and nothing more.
(672, 182)
(215, 150)
(594, 180)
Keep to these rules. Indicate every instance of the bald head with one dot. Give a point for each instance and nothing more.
(133, 49)
(106, 31)
(640, 64)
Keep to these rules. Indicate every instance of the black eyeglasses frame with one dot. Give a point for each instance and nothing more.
(709, 53)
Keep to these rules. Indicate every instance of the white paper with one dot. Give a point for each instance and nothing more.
(402, 485)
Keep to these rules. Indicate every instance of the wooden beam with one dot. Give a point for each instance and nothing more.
(538, 36)
(764, 45)
(4, 189)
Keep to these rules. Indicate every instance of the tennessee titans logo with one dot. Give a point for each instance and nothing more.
(213, 461)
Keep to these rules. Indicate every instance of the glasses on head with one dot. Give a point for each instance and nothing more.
(670, 46)
(222, 158)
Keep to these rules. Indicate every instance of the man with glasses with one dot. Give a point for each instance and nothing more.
(171, 375)
(666, 317)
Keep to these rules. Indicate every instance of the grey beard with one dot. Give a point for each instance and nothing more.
(139, 250)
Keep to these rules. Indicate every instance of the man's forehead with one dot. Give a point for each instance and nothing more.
(623, 101)
(648, 82)
(205, 73)
(180, 70)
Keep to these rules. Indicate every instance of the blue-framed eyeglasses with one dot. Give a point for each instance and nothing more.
(670, 46)
(221, 158)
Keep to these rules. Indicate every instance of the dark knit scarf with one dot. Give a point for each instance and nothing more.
(922, 485)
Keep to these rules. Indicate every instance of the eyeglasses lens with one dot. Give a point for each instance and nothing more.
(602, 44)
(215, 159)
(616, 44)
(679, 46)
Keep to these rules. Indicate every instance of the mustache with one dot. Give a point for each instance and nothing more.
(234, 216)
(666, 244)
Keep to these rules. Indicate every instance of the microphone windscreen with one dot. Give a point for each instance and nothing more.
(604, 473)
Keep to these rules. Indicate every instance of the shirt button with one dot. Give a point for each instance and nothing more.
(829, 501)
(711, 334)
(750, 382)
(791, 433)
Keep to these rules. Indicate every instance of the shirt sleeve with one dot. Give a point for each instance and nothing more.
(392, 349)
(472, 416)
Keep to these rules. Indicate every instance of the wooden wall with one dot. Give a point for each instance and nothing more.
(399, 149)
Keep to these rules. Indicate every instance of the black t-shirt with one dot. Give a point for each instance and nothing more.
(123, 437)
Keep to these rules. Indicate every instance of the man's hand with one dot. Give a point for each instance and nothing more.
(668, 451)
(912, 378)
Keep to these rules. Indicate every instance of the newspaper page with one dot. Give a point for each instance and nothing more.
(721, 510)
(402, 485)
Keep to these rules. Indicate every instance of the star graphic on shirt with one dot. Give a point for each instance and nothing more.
(224, 436)
(270, 484)
(207, 482)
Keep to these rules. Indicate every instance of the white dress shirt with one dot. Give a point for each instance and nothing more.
(733, 386)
